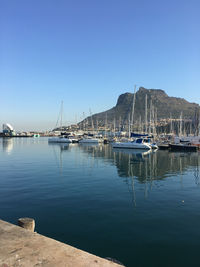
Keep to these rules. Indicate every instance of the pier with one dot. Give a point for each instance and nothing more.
(22, 247)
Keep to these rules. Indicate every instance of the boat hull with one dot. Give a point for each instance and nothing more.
(184, 148)
(89, 141)
(59, 140)
(130, 145)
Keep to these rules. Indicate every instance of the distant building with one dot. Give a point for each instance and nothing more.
(8, 129)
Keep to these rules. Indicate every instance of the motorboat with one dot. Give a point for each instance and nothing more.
(59, 139)
(138, 143)
(90, 140)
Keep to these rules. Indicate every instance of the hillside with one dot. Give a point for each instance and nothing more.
(165, 105)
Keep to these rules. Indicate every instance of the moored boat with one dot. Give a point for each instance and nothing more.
(163, 146)
(183, 147)
(154, 145)
(138, 143)
(59, 139)
(90, 141)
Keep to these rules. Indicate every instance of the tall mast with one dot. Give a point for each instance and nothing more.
(153, 120)
(92, 125)
(180, 130)
(171, 130)
(198, 126)
(114, 126)
(140, 125)
(61, 114)
(129, 126)
(119, 124)
(146, 114)
(97, 124)
(190, 127)
(84, 122)
(133, 108)
(150, 117)
(105, 125)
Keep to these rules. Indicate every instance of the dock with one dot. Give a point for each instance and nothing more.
(23, 248)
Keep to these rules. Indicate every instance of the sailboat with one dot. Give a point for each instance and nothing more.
(61, 138)
(137, 143)
(91, 138)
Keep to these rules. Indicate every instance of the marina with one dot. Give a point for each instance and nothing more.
(111, 202)
(99, 133)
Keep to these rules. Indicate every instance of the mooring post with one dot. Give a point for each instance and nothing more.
(27, 223)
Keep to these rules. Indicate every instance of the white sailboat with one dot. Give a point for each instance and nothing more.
(61, 138)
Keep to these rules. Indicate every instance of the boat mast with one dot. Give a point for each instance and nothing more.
(92, 125)
(140, 125)
(133, 108)
(114, 126)
(146, 114)
(198, 125)
(119, 124)
(97, 125)
(105, 125)
(156, 121)
(61, 115)
(180, 130)
(153, 120)
(129, 126)
(150, 117)
(171, 130)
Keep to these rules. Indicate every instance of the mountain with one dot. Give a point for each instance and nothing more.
(165, 106)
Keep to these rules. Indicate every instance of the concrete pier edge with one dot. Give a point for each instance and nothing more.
(23, 248)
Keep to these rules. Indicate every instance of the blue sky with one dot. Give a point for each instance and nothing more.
(88, 52)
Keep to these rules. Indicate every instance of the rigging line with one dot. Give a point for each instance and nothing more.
(59, 114)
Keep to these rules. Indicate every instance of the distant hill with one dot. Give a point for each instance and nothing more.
(165, 105)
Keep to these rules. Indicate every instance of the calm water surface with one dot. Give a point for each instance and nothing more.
(142, 209)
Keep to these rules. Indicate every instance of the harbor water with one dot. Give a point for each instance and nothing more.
(140, 208)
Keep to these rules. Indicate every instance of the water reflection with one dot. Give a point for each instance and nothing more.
(58, 149)
(7, 144)
(141, 170)
(146, 165)
(60, 146)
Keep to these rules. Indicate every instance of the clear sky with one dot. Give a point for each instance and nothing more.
(88, 52)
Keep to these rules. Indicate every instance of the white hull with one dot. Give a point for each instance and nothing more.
(132, 145)
(59, 140)
(154, 146)
(90, 141)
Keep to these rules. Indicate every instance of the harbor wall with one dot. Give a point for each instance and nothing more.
(23, 248)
